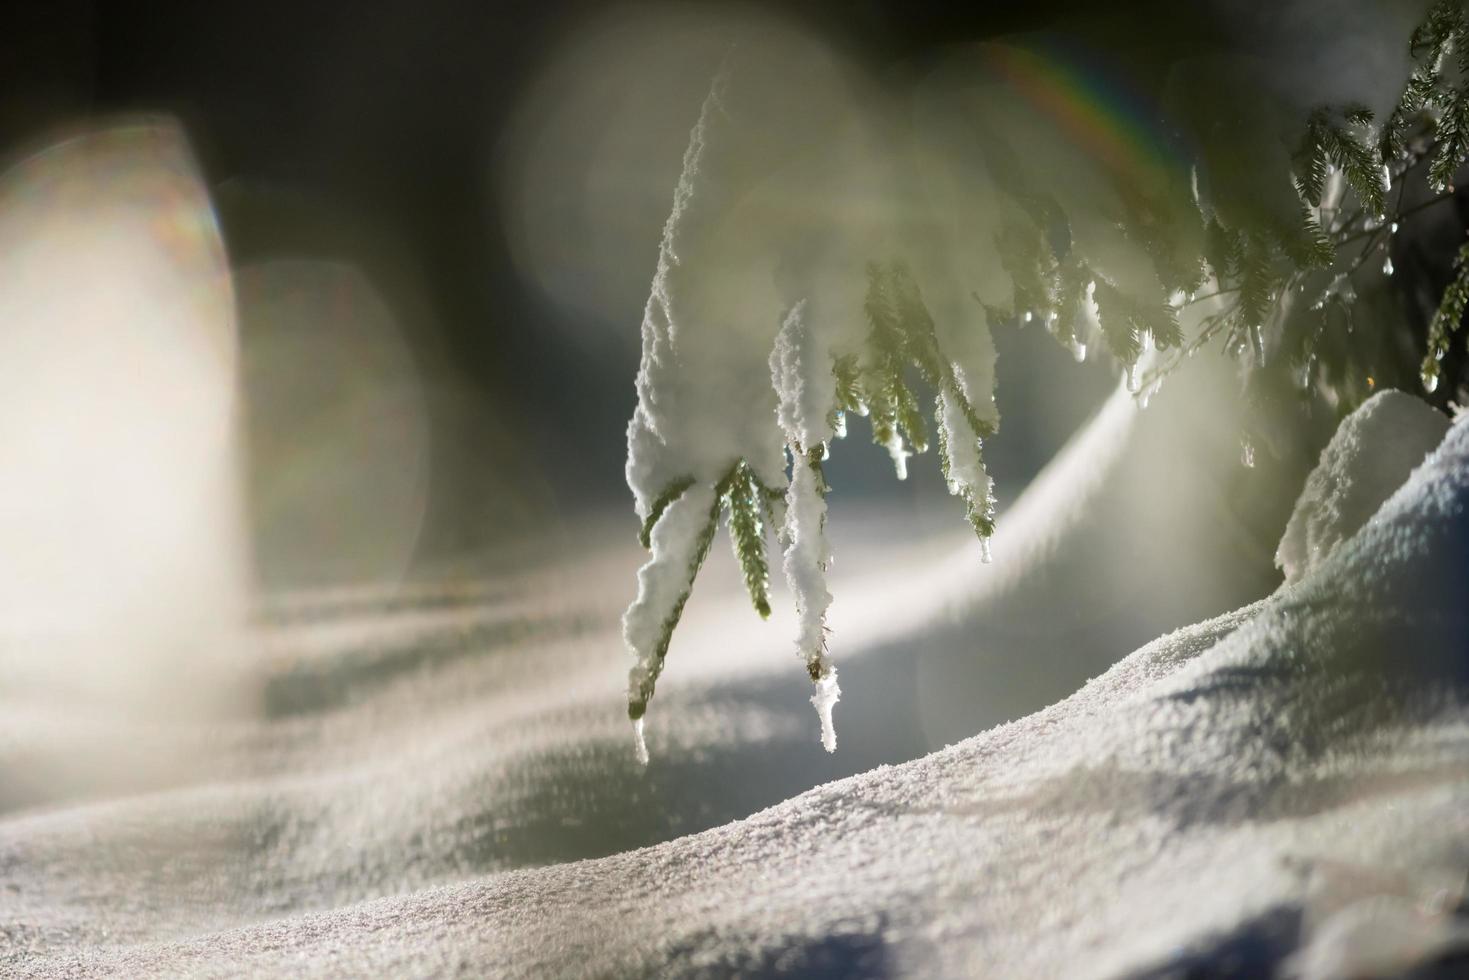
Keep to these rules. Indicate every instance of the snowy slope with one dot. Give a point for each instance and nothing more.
(1291, 771)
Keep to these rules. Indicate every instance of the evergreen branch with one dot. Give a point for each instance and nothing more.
(773, 503)
(1259, 264)
(745, 500)
(1359, 165)
(1255, 264)
(1442, 28)
(1210, 329)
(1443, 23)
(848, 383)
(981, 516)
(901, 332)
(1418, 95)
(1451, 137)
(1119, 328)
(1311, 164)
(1257, 281)
(910, 419)
(1126, 323)
(1022, 257)
(1162, 322)
(674, 490)
(979, 511)
(1072, 282)
(1307, 244)
(882, 378)
(1447, 319)
(643, 679)
(1328, 142)
(915, 323)
(1154, 225)
(1223, 249)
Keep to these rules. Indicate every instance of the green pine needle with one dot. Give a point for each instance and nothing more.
(1447, 318)
(1452, 139)
(665, 499)
(1071, 282)
(1119, 327)
(744, 500)
(1223, 250)
(1257, 280)
(1024, 257)
(638, 697)
(849, 380)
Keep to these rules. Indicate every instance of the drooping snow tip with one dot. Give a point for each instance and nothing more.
(806, 560)
(827, 694)
(679, 542)
(959, 453)
(899, 454)
(967, 475)
(1130, 378)
(805, 382)
(639, 744)
(801, 373)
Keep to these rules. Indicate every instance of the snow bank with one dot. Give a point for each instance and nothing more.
(1370, 456)
(1288, 778)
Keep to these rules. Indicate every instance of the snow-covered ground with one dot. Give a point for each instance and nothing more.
(440, 778)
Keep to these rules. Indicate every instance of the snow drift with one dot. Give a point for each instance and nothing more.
(1278, 787)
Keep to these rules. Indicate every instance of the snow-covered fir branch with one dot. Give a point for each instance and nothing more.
(824, 258)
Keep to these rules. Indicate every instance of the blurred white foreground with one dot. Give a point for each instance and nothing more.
(123, 572)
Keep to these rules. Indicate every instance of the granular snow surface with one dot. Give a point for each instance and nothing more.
(443, 783)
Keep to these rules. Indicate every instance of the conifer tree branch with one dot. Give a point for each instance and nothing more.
(1342, 173)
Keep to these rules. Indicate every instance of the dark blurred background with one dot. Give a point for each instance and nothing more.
(407, 140)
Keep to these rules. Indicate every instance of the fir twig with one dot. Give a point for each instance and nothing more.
(745, 500)
(1447, 319)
